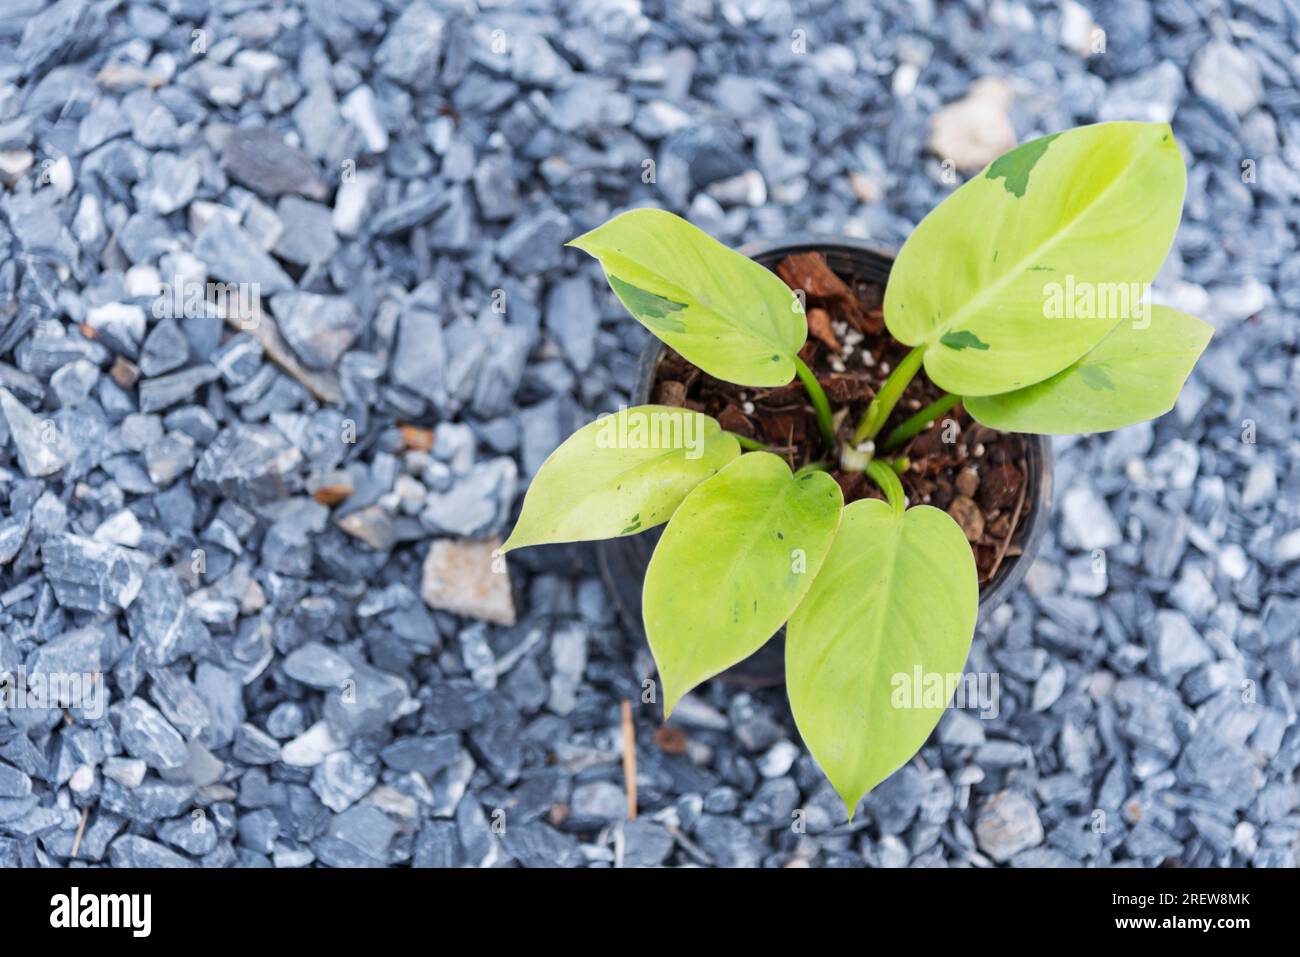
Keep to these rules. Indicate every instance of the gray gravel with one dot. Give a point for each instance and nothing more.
(238, 519)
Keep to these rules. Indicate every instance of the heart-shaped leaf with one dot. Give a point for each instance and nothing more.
(897, 593)
(1134, 374)
(620, 475)
(734, 562)
(1030, 264)
(722, 311)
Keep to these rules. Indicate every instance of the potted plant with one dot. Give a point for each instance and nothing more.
(1023, 297)
(1004, 485)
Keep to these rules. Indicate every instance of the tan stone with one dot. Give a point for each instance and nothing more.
(974, 131)
(372, 525)
(459, 576)
(968, 515)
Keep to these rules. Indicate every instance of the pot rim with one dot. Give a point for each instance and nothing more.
(1038, 448)
(815, 242)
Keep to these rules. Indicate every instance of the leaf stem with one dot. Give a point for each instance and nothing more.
(884, 476)
(920, 421)
(873, 420)
(820, 403)
(855, 459)
(748, 444)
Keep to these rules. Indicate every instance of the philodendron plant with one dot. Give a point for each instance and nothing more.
(1023, 296)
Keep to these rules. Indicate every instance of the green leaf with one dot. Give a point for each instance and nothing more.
(1134, 374)
(620, 475)
(732, 565)
(722, 311)
(994, 281)
(1015, 166)
(897, 592)
(962, 339)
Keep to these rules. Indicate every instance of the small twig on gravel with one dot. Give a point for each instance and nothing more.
(1015, 519)
(81, 830)
(320, 384)
(620, 845)
(629, 759)
(689, 846)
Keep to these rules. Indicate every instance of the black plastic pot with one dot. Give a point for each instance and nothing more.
(623, 561)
